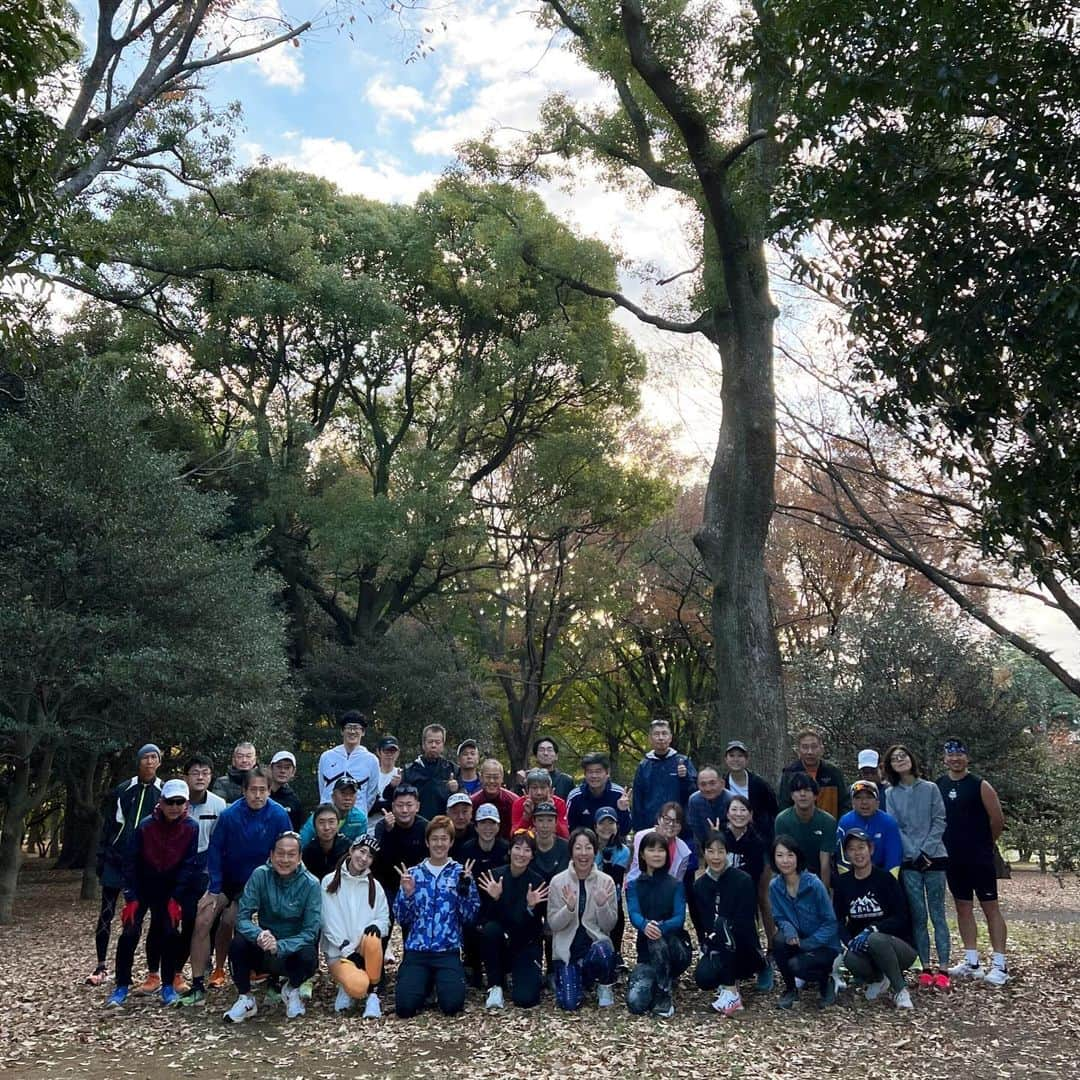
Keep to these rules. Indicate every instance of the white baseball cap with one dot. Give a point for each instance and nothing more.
(175, 789)
(282, 755)
(868, 759)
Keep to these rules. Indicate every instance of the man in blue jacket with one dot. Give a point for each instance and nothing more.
(244, 836)
(882, 829)
(664, 775)
(595, 791)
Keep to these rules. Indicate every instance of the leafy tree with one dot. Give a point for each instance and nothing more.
(940, 155)
(368, 367)
(123, 619)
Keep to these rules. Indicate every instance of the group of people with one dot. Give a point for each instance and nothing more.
(516, 889)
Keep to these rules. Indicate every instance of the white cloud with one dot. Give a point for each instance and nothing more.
(244, 24)
(375, 176)
(397, 101)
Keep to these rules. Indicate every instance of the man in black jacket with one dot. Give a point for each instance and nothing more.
(431, 774)
(282, 770)
(231, 786)
(401, 840)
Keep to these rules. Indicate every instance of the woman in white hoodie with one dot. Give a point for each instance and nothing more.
(355, 919)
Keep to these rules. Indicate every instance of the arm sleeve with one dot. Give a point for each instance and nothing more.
(128, 867)
(382, 911)
(559, 915)
(517, 814)
(640, 799)
(213, 854)
(308, 933)
(826, 929)
(189, 878)
(840, 905)
(562, 826)
(307, 832)
(894, 847)
(843, 796)
(633, 908)
(335, 934)
(249, 904)
(936, 834)
(371, 788)
(687, 783)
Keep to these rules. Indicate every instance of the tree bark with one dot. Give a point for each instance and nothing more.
(29, 782)
(81, 816)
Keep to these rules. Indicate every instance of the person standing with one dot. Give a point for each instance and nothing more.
(878, 825)
(664, 775)
(352, 820)
(546, 755)
(128, 804)
(431, 774)
(352, 760)
(323, 852)
(756, 790)
(282, 770)
(973, 823)
(595, 792)
(919, 810)
(832, 789)
(812, 829)
(163, 876)
(468, 767)
(230, 787)
(537, 793)
(388, 749)
(493, 792)
(277, 929)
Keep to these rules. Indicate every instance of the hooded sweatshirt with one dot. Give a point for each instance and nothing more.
(808, 915)
(359, 902)
(242, 841)
(919, 811)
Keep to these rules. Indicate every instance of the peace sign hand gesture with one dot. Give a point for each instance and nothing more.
(492, 885)
(408, 882)
(714, 824)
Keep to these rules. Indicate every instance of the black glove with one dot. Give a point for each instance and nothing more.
(372, 931)
(463, 884)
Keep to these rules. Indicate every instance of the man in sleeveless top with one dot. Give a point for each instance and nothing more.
(973, 822)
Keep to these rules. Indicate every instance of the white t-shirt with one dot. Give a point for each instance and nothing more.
(205, 815)
(735, 789)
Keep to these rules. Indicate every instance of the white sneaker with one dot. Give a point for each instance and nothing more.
(495, 998)
(343, 1003)
(605, 996)
(244, 1008)
(996, 976)
(875, 990)
(727, 1002)
(389, 957)
(964, 970)
(800, 984)
(902, 999)
(294, 1003)
(372, 1008)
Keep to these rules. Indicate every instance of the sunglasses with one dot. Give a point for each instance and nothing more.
(178, 801)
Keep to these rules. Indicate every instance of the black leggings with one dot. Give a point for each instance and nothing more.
(810, 965)
(172, 943)
(245, 957)
(103, 931)
(521, 960)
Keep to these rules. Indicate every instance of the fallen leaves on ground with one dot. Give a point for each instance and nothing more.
(50, 1024)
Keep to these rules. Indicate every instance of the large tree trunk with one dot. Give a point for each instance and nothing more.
(29, 778)
(81, 816)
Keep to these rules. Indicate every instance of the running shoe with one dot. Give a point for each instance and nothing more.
(996, 976)
(243, 1008)
(217, 979)
(942, 981)
(117, 998)
(926, 981)
(150, 985)
(964, 970)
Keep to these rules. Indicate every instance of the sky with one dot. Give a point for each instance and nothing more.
(359, 104)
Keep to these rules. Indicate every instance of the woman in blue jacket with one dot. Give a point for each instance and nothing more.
(807, 936)
(656, 904)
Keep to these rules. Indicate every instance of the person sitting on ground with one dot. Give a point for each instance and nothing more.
(582, 904)
(656, 906)
(879, 826)
(282, 770)
(459, 809)
(812, 829)
(538, 791)
(277, 929)
(486, 851)
(807, 934)
(492, 791)
(128, 804)
(510, 926)
(467, 773)
(730, 950)
(350, 759)
(242, 841)
(163, 875)
(355, 919)
(352, 818)
(669, 823)
(430, 773)
(230, 787)
(324, 851)
(595, 791)
(436, 899)
(614, 859)
(919, 810)
(874, 922)
(748, 851)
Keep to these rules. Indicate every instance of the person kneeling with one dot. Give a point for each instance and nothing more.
(512, 932)
(727, 900)
(656, 904)
(287, 900)
(874, 922)
(355, 919)
(436, 899)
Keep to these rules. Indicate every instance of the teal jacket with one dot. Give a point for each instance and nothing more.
(289, 907)
(809, 916)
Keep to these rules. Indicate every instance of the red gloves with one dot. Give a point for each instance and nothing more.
(175, 911)
(127, 916)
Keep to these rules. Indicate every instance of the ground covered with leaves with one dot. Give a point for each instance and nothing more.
(52, 1025)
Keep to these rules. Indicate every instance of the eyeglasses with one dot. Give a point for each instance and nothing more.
(668, 821)
(353, 729)
(178, 801)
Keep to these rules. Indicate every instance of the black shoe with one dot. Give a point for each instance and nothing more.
(787, 999)
(663, 1006)
(828, 992)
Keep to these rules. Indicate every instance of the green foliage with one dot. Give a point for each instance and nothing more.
(939, 147)
(122, 619)
(901, 671)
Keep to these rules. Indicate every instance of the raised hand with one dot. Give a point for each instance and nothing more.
(467, 869)
(681, 770)
(605, 891)
(408, 882)
(388, 819)
(570, 896)
(536, 895)
(624, 800)
(491, 885)
(714, 824)
(452, 786)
